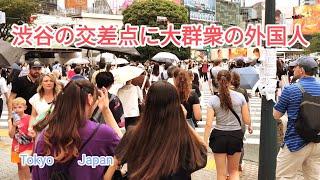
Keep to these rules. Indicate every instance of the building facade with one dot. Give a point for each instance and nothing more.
(101, 7)
(249, 15)
(308, 2)
(76, 4)
(234, 1)
(48, 6)
(228, 14)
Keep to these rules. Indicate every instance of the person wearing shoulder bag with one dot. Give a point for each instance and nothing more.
(226, 139)
(43, 101)
(70, 136)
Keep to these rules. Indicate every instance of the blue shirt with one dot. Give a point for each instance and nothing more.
(289, 102)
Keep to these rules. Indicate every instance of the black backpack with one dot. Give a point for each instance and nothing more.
(308, 122)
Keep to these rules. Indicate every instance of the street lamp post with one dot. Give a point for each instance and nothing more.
(268, 133)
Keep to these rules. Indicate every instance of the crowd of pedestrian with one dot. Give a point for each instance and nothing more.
(67, 112)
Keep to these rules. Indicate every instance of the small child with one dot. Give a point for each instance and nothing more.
(18, 130)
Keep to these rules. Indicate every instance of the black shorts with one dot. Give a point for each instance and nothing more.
(228, 142)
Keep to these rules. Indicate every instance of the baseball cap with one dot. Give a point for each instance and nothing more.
(307, 63)
(35, 63)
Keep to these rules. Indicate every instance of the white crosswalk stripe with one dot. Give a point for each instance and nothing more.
(4, 119)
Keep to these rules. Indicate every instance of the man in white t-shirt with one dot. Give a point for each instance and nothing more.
(213, 84)
(130, 96)
(57, 66)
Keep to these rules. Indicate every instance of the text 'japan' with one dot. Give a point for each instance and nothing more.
(138, 36)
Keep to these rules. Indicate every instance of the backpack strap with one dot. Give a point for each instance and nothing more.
(112, 97)
(233, 112)
(83, 145)
(90, 137)
(236, 115)
(300, 87)
(96, 112)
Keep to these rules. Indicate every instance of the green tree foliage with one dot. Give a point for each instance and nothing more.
(145, 12)
(314, 44)
(17, 12)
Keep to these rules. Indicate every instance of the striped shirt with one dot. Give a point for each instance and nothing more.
(289, 102)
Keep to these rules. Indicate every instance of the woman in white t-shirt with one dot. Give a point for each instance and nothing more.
(41, 102)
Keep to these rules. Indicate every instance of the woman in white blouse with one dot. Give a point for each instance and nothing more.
(42, 101)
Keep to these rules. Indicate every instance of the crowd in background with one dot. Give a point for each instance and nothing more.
(58, 110)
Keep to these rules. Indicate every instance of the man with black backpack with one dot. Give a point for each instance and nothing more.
(301, 101)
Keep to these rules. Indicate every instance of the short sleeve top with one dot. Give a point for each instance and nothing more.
(226, 120)
(192, 100)
(103, 143)
(25, 88)
(39, 104)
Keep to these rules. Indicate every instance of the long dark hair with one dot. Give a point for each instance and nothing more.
(183, 82)
(235, 79)
(155, 70)
(161, 143)
(224, 79)
(14, 74)
(62, 139)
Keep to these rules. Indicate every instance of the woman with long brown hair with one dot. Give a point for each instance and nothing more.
(161, 145)
(189, 99)
(70, 134)
(226, 140)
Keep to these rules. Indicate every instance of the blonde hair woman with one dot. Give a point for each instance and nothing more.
(42, 101)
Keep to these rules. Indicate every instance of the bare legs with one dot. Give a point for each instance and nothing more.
(227, 165)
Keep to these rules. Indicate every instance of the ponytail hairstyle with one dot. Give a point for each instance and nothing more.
(224, 80)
